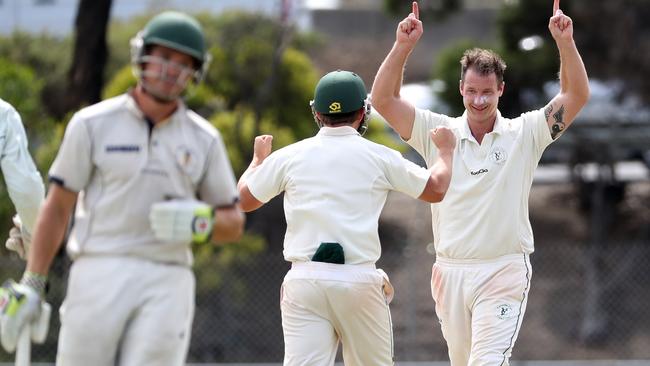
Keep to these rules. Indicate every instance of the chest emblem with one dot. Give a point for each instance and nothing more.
(505, 311)
(186, 158)
(498, 155)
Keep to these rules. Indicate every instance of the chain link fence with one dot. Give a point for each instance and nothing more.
(588, 299)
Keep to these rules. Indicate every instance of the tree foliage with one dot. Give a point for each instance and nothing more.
(48, 58)
(85, 76)
(20, 88)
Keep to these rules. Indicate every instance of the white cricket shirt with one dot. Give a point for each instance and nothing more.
(335, 185)
(121, 164)
(485, 211)
(24, 183)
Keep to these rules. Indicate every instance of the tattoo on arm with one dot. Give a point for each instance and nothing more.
(547, 111)
(558, 126)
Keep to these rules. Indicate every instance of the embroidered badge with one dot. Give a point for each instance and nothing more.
(186, 158)
(498, 155)
(504, 311)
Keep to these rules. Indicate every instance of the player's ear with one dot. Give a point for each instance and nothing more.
(361, 113)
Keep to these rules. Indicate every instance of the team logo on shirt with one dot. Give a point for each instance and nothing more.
(498, 155)
(186, 158)
(504, 311)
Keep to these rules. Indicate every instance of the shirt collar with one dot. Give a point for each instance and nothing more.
(466, 133)
(337, 131)
(133, 107)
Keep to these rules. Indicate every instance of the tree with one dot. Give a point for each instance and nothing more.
(48, 57)
(90, 53)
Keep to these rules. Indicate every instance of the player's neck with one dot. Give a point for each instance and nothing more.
(156, 110)
(480, 128)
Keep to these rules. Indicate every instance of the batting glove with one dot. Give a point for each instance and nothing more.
(19, 238)
(20, 306)
(182, 221)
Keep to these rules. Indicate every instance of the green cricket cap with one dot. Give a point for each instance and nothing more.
(339, 92)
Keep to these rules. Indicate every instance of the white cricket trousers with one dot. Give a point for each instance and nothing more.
(124, 311)
(324, 303)
(480, 305)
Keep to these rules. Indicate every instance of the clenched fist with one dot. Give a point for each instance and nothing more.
(443, 138)
(262, 148)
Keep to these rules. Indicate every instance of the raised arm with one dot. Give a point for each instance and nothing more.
(385, 93)
(261, 150)
(440, 178)
(574, 83)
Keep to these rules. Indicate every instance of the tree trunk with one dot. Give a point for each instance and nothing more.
(90, 53)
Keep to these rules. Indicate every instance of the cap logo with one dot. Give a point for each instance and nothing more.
(335, 107)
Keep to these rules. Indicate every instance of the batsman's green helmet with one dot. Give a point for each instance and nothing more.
(177, 31)
(339, 92)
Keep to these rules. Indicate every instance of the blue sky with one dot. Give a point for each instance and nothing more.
(57, 16)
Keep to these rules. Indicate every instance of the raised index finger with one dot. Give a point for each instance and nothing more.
(416, 11)
(556, 6)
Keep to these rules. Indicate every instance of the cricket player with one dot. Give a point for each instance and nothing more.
(149, 177)
(335, 185)
(24, 182)
(482, 233)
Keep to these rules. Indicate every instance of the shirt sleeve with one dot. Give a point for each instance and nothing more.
(424, 122)
(405, 176)
(73, 165)
(24, 182)
(268, 179)
(218, 187)
(537, 130)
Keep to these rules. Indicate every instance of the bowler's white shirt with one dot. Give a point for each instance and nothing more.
(335, 185)
(485, 211)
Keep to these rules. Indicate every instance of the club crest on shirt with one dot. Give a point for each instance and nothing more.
(186, 158)
(498, 155)
(504, 311)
